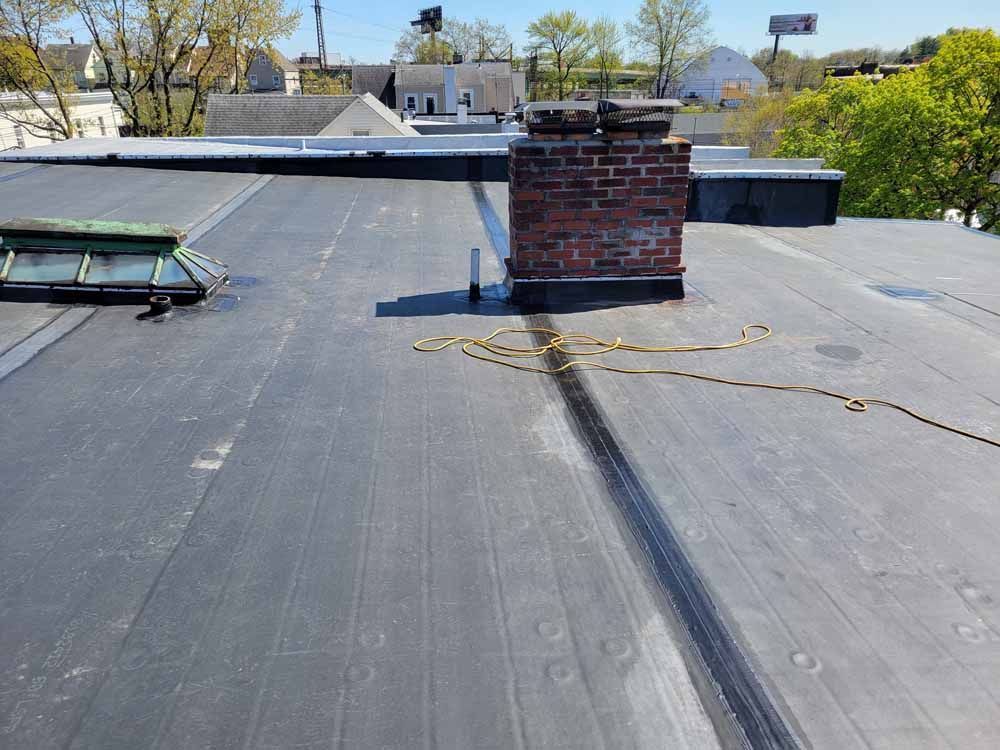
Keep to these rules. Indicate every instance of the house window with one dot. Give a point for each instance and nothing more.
(80, 133)
(101, 125)
(19, 135)
(355, 131)
(253, 79)
(262, 58)
(411, 102)
(276, 80)
(466, 97)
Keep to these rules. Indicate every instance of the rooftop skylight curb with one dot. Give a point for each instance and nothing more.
(82, 260)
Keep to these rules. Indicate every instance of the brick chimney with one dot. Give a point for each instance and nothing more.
(592, 218)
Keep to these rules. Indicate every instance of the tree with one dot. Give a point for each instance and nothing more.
(606, 38)
(44, 83)
(790, 70)
(474, 40)
(252, 27)
(565, 42)
(152, 47)
(318, 84)
(757, 121)
(672, 35)
(916, 144)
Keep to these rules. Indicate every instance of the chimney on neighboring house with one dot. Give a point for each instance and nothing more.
(450, 91)
(597, 215)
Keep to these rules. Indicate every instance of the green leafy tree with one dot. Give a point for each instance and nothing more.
(44, 83)
(564, 42)
(757, 121)
(608, 43)
(790, 70)
(320, 84)
(478, 39)
(673, 36)
(916, 144)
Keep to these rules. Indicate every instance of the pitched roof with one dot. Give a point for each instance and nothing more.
(280, 61)
(246, 114)
(382, 111)
(419, 75)
(466, 74)
(371, 79)
(75, 56)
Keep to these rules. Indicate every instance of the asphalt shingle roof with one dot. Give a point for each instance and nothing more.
(74, 56)
(245, 114)
(372, 79)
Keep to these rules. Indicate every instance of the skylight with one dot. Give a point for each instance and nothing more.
(102, 261)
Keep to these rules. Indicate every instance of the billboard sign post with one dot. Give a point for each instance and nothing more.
(794, 24)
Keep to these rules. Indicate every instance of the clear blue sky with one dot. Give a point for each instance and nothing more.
(367, 31)
(735, 23)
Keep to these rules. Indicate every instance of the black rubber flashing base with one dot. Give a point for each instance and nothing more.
(611, 290)
(83, 296)
(451, 168)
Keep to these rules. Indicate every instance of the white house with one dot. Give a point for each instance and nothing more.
(722, 75)
(94, 115)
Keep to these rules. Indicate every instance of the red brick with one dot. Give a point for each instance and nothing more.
(660, 171)
(561, 215)
(627, 171)
(577, 263)
(648, 251)
(624, 213)
(612, 161)
(638, 182)
(613, 182)
(528, 196)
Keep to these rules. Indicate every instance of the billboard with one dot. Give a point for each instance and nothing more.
(796, 23)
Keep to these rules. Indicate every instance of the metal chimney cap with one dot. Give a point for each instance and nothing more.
(556, 106)
(617, 105)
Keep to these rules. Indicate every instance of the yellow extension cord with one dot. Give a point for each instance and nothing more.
(584, 345)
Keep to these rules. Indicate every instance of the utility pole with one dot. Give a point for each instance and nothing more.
(774, 55)
(320, 37)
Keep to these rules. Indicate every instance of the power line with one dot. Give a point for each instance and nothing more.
(394, 29)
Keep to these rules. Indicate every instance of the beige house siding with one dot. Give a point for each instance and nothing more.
(367, 116)
(403, 92)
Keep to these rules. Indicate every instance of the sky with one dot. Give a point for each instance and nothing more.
(367, 31)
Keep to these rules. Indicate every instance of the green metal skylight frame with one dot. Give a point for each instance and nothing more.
(102, 261)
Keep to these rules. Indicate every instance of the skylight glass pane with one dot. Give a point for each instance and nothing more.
(172, 275)
(45, 268)
(217, 269)
(203, 276)
(120, 269)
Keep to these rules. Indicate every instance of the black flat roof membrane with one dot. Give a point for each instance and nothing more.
(280, 526)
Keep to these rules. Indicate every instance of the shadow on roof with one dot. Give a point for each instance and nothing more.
(493, 302)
